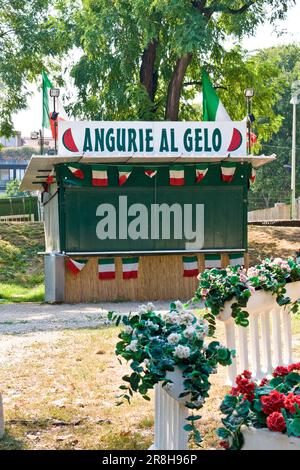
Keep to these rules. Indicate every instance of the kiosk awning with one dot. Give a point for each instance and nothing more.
(40, 167)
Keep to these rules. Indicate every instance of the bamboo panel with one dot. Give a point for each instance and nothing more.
(159, 278)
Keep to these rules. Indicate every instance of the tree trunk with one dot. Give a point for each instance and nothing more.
(175, 86)
(148, 74)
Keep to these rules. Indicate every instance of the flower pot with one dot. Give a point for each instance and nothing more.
(254, 304)
(177, 387)
(263, 439)
(293, 290)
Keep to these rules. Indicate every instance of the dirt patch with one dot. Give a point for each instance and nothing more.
(272, 241)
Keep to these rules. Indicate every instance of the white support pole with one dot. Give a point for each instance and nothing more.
(266, 342)
(1, 418)
(230, 344)
(170, 418)
(242, 357)
(287, 336)
(276, 334)
(254, 345)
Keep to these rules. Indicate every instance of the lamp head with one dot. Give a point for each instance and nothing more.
(249, 93)
(54, 92)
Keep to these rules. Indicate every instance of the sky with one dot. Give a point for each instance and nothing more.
(30, 120)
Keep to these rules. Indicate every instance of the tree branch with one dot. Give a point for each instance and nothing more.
(221, 8)
(199, 82)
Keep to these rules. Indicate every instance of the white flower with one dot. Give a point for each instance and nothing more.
(189, 332)
(150, 324)
(179, 305)
(143, 309)
(150, 307)
(186, 317)
(173, 338)
(146, 362)
(172, 317)
(182, 352)
(132, 346)
(128, 329)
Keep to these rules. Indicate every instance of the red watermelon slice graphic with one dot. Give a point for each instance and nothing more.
(236, 140)
(68, 141)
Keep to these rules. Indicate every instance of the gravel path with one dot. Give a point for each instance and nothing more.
(26, 318)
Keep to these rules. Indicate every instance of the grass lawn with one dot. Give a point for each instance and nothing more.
(17, 293)
(21, 268)
(59, 390)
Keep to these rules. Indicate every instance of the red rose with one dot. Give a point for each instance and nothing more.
(272, 402)
(247, 374)
(280, 371)
(234, 391)
(290, 401)
(275, 422)
(245, 386)
(293, 367)
(264, 381)
(224, 444)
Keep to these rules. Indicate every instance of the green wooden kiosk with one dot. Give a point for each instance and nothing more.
(134, 210)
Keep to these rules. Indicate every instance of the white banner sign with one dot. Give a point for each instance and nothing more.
(151, 139)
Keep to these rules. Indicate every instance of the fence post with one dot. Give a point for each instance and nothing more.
(1, 418)
(170, 417)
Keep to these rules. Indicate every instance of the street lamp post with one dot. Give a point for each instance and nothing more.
(249, 93)
(294, 102)
(54, 93)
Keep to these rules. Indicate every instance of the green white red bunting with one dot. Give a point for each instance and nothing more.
(190, 266)
(76, 266)
(130, 268)
(213, 261)
(201, 171)
(106, 268)
(236, 259)
(176, 176)
(124, 173)
(253, 175)
(227, 171)
(99, 176)
(76, 171)
(151, 172)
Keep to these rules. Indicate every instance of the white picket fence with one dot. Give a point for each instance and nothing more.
(17, 218)
(267, 343)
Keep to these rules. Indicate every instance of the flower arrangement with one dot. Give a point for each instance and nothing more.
(156, 343)
(217, 286)
(273, 403)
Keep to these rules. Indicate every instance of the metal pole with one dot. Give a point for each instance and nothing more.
(249, 124)
(55, 127)
(42, 141)
(293, 173)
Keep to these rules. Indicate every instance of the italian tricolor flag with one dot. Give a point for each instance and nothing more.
(190, 266)
(151, 172)
(106, 268)
(176, 174)
(227, 171)
(130, 268)
(99, 176)
(212, 261)
(201, 171)
(236, 259)
(253, 175)
(124, 173)
(75, 266)
(76, 171)
(213, 109)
